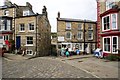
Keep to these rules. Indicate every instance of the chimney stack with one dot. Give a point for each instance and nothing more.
(58, 14)
(29, 5)
(44, 11)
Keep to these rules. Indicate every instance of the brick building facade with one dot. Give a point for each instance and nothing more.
(108, 21)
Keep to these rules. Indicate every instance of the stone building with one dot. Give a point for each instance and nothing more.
(29, 30)
(76, 33)
(108, 26)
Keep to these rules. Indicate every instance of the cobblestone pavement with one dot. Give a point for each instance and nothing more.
(100, 68)
(41, 67)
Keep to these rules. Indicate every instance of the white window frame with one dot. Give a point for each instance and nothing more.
(8, 24)
(91, 35)
(70, 35)
(81, 35)
(29, 50)
(103, 23)
(109, 4)
(110, 44)
(5, 37)
(27, 40)
(26, 13)
(112, 21)
(2, 25)
(68, 24)
(90, 25)
(1, 37)
(81, 46)
(6, 12)
(80, 26)
(20, 27)
(29, 27)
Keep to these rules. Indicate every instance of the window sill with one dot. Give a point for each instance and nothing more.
(21, 31)
(90, 39)
(80, 39)
(106, 52)
(31, 30)
(105, 30)
(29, 45)
(67, 29)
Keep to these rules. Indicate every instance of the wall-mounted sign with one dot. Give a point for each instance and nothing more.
(60, 38)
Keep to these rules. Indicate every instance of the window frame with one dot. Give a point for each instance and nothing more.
(104, 44)
(81, 46)
(1, 37)
(79, 38)
(33, 25)
(70, 24)
(91, 35)
(116, 45)
(5, 37)
(112, 21)
(80, 26)
(22, 27)
(109, 4)
(29, 51)
(6, 12)
(70, 35)
(30, 40)
(103, 22)
(90, 25)
(26, 13)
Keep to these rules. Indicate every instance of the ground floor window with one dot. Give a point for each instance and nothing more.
(29, 52)
(110, 44)
(114, 44)
(107, 44)
(29, 40)
(6, 37)
(80, 46)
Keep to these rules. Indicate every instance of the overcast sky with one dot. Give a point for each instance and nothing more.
(77, 9)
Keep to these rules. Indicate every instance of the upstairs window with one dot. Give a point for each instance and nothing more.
(114, 21)
(31, 26)
(68, 25)
(68, 35)
(22, 27)
(8, 25)
(90, 27)
(25, 13)
(80, 35)
(109, 4)
(79, 26)
(106, 23)
(5, 24)
(90, 35)
(6, 13)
